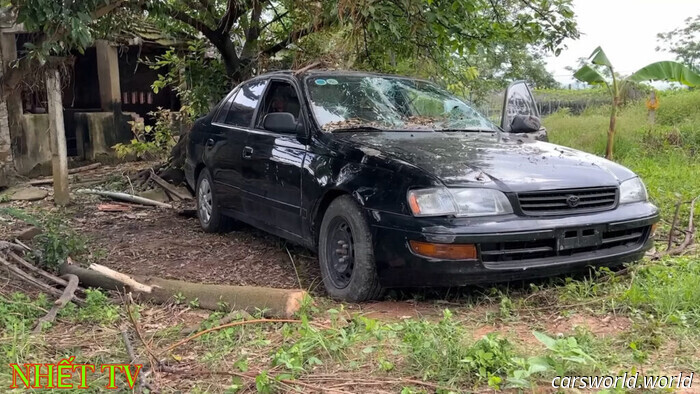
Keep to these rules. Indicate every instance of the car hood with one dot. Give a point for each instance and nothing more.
(509, 162)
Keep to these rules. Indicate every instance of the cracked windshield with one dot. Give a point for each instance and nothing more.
(377, 103)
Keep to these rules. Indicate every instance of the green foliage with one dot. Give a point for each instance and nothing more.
(57, 242)
(566, 355)
(666, 71)
(660, 71)
(683, 42)
(458, 42)
(153, 142)
(678, 108)
(69, 24)
(97, 310)
(19, 313)
(198, 80)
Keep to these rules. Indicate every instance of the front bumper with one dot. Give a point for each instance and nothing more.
(510, 247)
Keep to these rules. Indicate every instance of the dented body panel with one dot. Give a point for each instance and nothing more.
(282, 183)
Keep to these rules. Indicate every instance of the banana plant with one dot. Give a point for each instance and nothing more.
(660, 71)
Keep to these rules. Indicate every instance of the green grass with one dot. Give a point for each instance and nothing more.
(666, 156)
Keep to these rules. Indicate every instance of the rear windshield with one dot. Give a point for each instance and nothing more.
(389, 103)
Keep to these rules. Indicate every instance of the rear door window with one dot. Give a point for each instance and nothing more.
(243, 105)
(223, 108)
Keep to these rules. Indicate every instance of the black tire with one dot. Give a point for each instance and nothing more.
(344, 232)
(216, 222)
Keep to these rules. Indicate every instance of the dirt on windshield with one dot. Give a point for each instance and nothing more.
(410, 123)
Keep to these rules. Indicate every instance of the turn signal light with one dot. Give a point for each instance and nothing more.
(444, 251)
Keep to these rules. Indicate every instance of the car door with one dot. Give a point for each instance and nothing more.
(518, 100)
(226, 144)
(272, 165)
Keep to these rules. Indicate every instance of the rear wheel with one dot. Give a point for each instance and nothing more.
(208, 211)
(346, 254)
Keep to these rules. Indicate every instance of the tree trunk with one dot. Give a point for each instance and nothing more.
(230, 58)
(6, 163)
(276, 302)
(57, 138)
(611, 131)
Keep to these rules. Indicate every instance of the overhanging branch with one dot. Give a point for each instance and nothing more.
(294, 36)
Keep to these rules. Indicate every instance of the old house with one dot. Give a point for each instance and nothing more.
(104, 89)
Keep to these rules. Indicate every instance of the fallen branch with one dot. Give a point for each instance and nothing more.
(31, 267)
(84, 168)
(4, 245)
(132, 360)
(68, 294)
(90, 278)
(35, 282)
(238, 323)
(48, 181)
(233, 315)
(126, 197)
(170, 189)
(673, 225)
(23, 245)
(121, 278)
(290, 382)
(153, 361)
(689, 234)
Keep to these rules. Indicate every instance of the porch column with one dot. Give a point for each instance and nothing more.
(108, 76)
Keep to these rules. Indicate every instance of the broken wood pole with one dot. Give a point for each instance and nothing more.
(57, 138)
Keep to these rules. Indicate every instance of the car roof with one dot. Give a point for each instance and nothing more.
(328, 72)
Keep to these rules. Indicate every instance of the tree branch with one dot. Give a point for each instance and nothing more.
(106, 9)
(208, 6)
(253, 31)
(275, 19)
(200, 26)
(295, 36)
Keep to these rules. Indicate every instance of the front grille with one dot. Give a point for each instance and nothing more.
(557, 202)
(502, 253)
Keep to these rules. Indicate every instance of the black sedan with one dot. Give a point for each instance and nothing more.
(395, 183)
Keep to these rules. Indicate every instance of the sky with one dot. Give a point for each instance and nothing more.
(626, 29)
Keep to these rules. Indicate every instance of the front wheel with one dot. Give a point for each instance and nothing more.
(346, 254)
(208, 211)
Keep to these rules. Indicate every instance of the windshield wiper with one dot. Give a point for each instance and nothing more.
(470, 129)
(356, 128)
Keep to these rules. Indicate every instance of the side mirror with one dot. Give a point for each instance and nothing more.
(525, 124)
(280, 122)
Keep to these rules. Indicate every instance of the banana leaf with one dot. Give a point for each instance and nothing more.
(590, 75)
(667, 71)
(598, 57)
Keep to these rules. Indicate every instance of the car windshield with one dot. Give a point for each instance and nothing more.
(379, 103)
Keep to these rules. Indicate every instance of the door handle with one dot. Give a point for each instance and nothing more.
(247, 152)
(209, 143)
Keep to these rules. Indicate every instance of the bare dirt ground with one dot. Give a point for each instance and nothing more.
(163, 243)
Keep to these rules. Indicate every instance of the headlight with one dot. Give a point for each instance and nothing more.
(459, 202)
(632, 190)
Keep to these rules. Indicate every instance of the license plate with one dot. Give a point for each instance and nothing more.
(580, 238)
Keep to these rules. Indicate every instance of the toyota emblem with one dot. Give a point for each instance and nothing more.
(572, 200)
